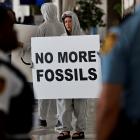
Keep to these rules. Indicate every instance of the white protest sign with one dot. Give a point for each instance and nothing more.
(66, 67)
(21, 57)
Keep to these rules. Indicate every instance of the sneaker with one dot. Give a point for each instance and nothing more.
(42, 123)
(58, 124)
(58, 127)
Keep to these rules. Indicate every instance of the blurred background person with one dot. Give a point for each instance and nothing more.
(16, 96)
(118, 112)
(69, 106)
(50, 27)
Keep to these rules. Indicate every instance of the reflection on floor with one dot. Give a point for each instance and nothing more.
(51, 133)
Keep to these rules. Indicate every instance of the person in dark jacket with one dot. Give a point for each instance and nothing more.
(16, 96)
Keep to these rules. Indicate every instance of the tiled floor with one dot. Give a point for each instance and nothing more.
(51, 134)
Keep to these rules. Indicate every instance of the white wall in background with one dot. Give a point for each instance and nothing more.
(128, 4)
(20, 10)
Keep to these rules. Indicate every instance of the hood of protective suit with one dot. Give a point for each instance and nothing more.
(51, 26)
(49, 11)
(75, 22)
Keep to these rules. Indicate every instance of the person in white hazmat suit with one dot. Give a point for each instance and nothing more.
(69, 106)
(50, 27)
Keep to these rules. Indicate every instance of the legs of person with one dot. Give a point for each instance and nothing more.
(52, 113)
(43, 105)
(43, 108)
(65, 118)
(66, 114)
(59, 110)
(80, 112)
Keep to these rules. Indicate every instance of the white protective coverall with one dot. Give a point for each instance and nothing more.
(76, 106)
(50, 27)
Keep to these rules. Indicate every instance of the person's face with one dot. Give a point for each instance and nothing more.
(68, 23)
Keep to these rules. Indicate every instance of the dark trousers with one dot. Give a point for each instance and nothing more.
(126, 129)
